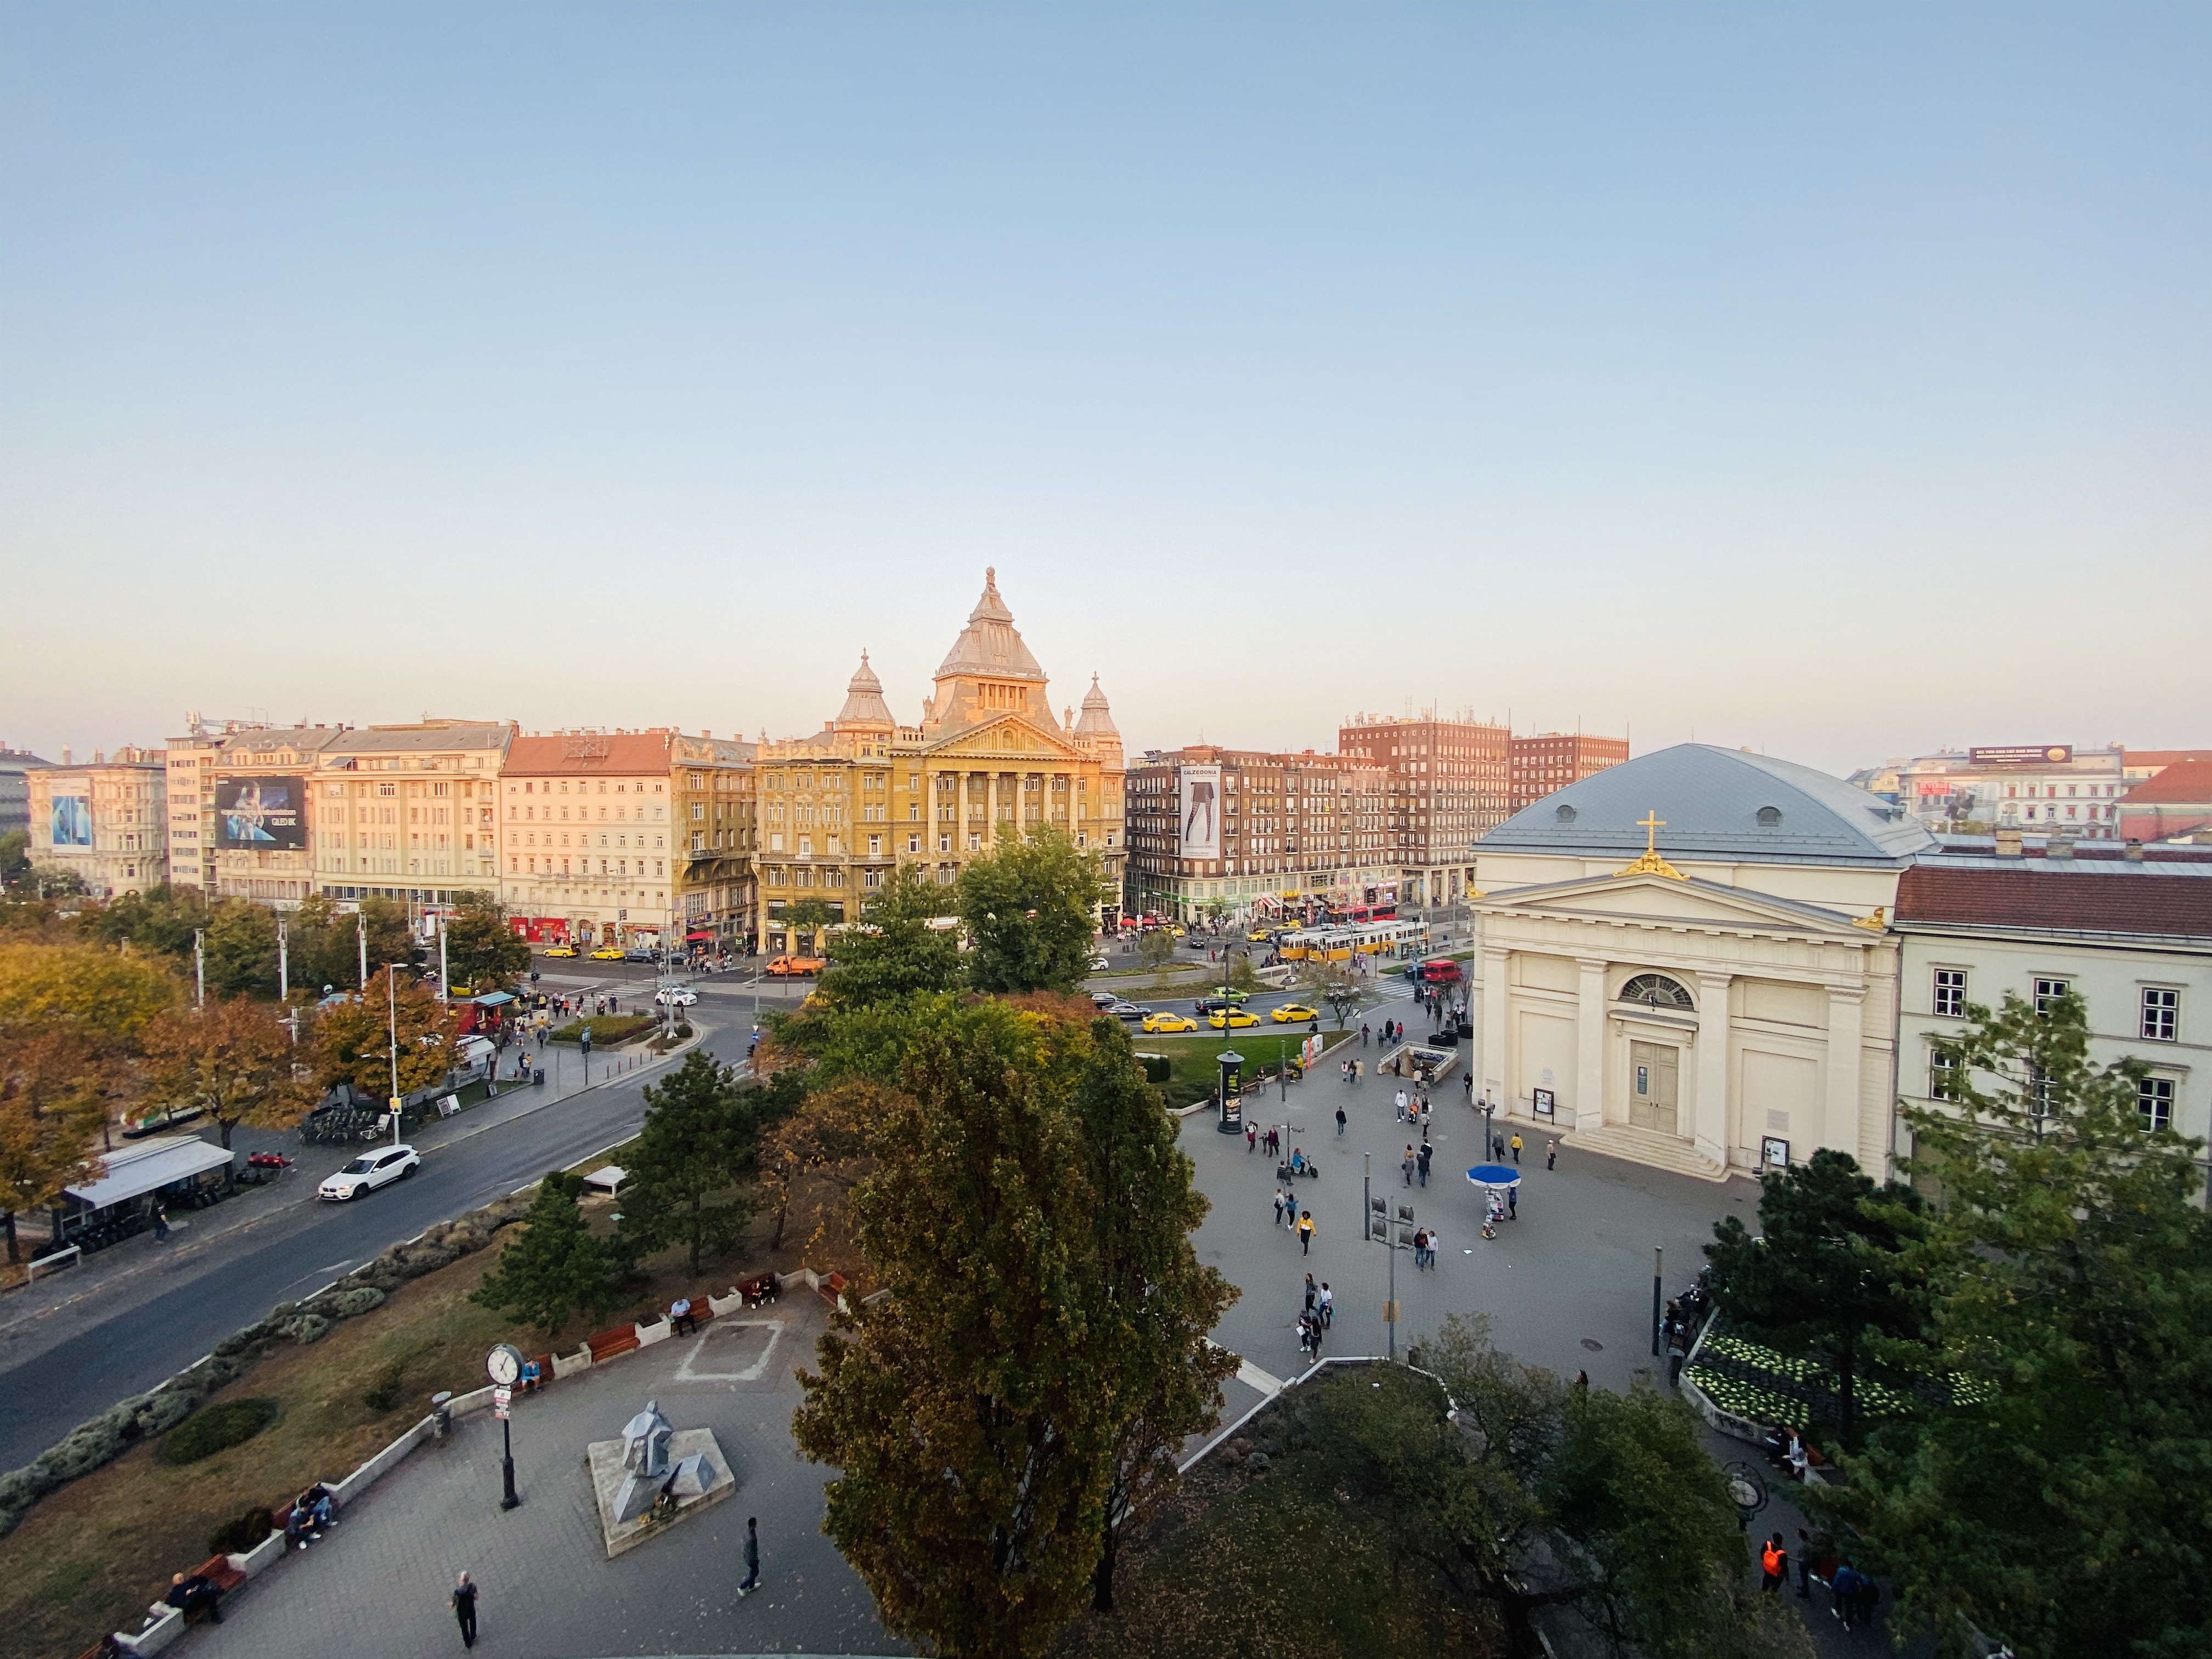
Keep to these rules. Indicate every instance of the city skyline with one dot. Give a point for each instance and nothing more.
(1780, 380)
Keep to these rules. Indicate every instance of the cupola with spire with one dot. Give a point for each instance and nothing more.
(1096, 732)
(988, 671)
(864, 709)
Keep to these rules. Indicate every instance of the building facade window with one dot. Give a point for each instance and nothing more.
(2162, 1014)
(2155, 1099)
(1942, 1076)
(2047, 993)
(1951, 993)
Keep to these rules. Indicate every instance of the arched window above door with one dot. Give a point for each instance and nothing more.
(1657, 991)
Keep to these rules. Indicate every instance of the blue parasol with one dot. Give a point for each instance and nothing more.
(1498, 1176)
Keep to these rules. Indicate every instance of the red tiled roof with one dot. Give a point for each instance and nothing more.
(2140, 901)
(625, 754)
(2162, 758)
(2187, 782)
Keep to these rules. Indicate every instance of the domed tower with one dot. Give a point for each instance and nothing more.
(1096, 733)
(988, 671)
(864, 714)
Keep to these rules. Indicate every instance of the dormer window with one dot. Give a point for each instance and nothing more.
(1563, 814)
(1769, 816)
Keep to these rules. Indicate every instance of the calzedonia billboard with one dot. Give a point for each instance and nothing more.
(2023, 754)
(269, 814)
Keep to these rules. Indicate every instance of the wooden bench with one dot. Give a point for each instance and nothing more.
(759, 1289)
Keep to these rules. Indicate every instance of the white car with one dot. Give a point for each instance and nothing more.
(369, 1171)
(676, 996)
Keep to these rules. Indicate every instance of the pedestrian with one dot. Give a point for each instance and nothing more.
(1357, 1067)
(1305, 1233)
(1251, 1138)
(1405, 1164)
(1804, 1566)
(1339, 1122)
(1312, 1296)
(1466, 1086)
(160, 1223)
(1363, 1034)
(1399, 1099)
(465, 1609)
(1420, 1249)
(1421, 1162)
(1327, 1305)
(1774, 1566)
(1513, 1202)
(752, 1556)
(1551, 1153)
(1516, 1144)
(1278, 1204)
(1845, 1586)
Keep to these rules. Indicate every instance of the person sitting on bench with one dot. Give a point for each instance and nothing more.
(189, 1595)
(679, 1313)
(532, 1378)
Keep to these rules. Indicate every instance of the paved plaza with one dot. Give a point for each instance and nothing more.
(1567, 1285)
(378, 1583)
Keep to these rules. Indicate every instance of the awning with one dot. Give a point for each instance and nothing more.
(693, 939)
(492, 998)
(149, 1165)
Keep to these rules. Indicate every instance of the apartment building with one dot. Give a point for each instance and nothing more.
(16, 766)
(1450, 782)
(1547, 761)
(711, 782)
(102, 822)
(1258, 833)
(586, 820)
(408, 812)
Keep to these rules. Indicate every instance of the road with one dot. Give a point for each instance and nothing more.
(72, 1345)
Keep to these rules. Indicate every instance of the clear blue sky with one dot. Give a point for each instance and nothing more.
(1828, 380)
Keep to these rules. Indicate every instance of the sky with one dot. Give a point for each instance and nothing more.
(1831, 380)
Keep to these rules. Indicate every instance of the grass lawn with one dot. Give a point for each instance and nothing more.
(1285, 1562)
(1192, 1055)
(607, 1030)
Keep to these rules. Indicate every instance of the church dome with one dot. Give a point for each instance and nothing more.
(1718, 804)
(864, 700)
(990, 645)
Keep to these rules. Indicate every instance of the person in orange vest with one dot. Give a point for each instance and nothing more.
(1774, 1563)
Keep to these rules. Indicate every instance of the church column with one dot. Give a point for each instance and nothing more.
(1490, 1058)
(1846, 1031)
(1712, 1118)
(1590, 1045)
(990, 810)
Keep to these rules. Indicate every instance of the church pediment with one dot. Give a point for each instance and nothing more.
(1000, 738)
(1670, 900)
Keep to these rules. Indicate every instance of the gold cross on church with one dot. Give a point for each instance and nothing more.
(1650, 863)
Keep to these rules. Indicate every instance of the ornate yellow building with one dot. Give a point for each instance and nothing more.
(840, 809)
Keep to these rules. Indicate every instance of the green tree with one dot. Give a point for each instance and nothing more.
(895, 953)
(554, 1267)
(1240, 973)
(352, 1044)
(391, 936)
(482, 951)
(241, 950)
(699, 1138)
(1833, 1268)
(1332, 983)
(162, 921)
(1151, 1303)
(2058, 1500)
(971, 1414)
(233, 1059)
(804, 923)
(1031, 910)
(14, 855)
(324, 946)
(1156, 949)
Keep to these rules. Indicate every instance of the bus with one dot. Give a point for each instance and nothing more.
(1353, 914)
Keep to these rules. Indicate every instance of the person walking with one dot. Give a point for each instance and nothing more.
(1513, 1202)
(1804, 1564)
(1405, 1164)
(1399, 1100)
(1326, 1305)
(160, 1223)
(1305, 1233)
(1774, 1565)
(1421, 1161)
(1339, 1122)
(1357, 1067)
(752, 1556)
(1279, 1202)
(1421, 1248)
(1363, 1034)
(465, 1609)
(1551, 1153)
(1516, 1144)
(1312, 1295)
(1251, 1138)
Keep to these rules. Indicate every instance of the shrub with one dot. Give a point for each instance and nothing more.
(1158, 1067)
(383, 1388)
(245, 1531)
(217, 1428)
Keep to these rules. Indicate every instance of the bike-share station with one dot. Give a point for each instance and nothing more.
(178, 1172)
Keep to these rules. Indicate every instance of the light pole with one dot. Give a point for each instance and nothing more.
(284, 962)
(392, 1017)
(1658, 1272)
(199, 968)
(361, 938)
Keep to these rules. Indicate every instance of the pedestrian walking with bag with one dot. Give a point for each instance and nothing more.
(1326, 1305)
(1280, 1201)
(463, 1600)
(1312, 1296)
(1406, 1163)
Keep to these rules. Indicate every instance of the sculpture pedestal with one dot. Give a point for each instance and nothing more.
(604, 1459)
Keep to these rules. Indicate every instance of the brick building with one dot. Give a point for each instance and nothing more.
(1547, 761)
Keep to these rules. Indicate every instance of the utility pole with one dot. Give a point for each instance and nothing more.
(199, 968)
(1658, 1272)
(284, 962)
(361, 937)
(392, 1015)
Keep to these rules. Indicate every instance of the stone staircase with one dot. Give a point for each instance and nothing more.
(1653, 1150)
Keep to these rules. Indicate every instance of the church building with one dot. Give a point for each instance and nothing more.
(1685, 960)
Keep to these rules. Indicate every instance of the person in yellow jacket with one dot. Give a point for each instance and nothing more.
(1305, 1233)
(1516, 1144)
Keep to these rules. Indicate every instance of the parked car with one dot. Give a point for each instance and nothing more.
(795, 967)
(608, 953)
(636, 954)
(1122, 1010)
(1234, 1017)
(369, 1171)
(561, 950)
(676, 996)
(1103, 999)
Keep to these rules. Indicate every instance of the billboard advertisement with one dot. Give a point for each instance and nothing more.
(2023, 754)
(72, 820)
(269, 814)
(1198, 808)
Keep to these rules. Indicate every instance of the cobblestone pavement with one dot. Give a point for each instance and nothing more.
(377, 1585)
(1567, 1285)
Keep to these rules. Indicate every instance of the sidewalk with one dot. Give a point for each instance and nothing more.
(377, 1585)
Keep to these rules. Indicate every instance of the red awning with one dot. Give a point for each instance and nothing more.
(693, 939)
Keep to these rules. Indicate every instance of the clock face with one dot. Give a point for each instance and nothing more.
(504, 1364)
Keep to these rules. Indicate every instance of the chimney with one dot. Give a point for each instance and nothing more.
(2133, 852)
(2009, 843)
(2060, 846)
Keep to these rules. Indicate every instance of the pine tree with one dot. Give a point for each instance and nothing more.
(554, 1267)
(697, 1140)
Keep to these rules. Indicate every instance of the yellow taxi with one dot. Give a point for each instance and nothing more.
(1157, 1024)
(562, 951)
(1260, 935)
(1234, 1017)
(608, 953)
(1293, 1011)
